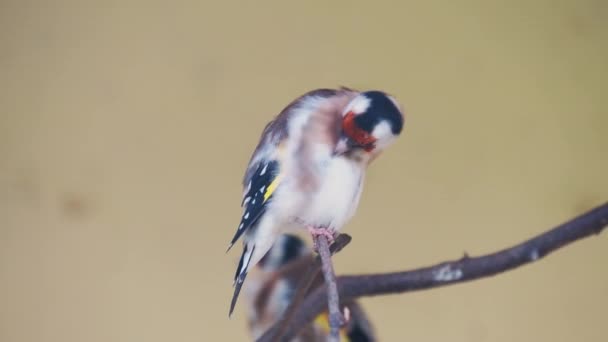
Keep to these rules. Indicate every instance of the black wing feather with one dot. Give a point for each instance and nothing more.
(239, 279)
(254, 203)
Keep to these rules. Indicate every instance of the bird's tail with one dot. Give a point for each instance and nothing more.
(241, 273)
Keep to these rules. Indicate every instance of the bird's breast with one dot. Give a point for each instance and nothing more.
(333, 203)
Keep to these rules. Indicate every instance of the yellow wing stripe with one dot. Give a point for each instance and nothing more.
(271, 188)
(322, 321)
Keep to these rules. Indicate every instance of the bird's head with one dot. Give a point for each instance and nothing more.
(287, 248)
(370, 123)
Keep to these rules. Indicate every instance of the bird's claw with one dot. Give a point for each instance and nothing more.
(315, 232)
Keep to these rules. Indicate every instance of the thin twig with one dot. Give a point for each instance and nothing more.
(307, 281)
(336, 320)
(452, 272)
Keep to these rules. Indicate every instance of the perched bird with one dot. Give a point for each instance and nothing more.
(274, 285)
(307, 170)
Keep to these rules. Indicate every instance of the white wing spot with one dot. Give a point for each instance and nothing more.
(240, 226)
(246, 215)
(253, 202)
(247, 199)
(262, 188)
(264, 170)
(446, 273)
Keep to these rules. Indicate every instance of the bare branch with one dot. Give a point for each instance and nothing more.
(333, 298)
(452, 272)
(277, 331)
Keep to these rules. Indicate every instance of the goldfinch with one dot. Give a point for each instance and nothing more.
(308, 168)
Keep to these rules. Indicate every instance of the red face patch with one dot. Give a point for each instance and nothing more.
(358, 135)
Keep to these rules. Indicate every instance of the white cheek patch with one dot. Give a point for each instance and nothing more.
(358, 105)
(382, 130)
(384, 135)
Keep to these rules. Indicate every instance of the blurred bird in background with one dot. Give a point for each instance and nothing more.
(307, 171)
(273, 285)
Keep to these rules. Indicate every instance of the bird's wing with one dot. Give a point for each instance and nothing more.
(258, 194)
(262, 176)
(262, 185)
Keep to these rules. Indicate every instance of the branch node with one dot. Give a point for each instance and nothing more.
(534, 255)
(465, 256)
(446, 273)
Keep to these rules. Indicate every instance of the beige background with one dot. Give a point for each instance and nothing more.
(125, 129)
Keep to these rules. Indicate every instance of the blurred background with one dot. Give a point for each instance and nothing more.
(125, 128)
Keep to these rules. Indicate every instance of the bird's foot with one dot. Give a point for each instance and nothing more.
(329, 233)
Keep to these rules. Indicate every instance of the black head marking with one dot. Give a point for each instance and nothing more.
(381, 108)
